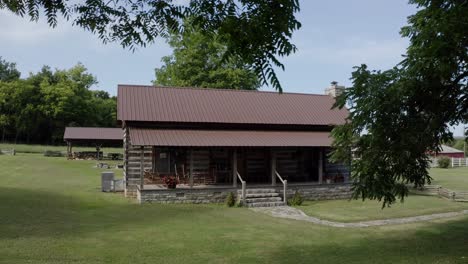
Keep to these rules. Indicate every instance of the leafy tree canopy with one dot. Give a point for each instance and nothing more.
(8, 71)
(37, 109)
(398, 115)
(257, 31)
(198, 61)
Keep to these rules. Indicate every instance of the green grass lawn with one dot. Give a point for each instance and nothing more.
(23, 148)
(452, 178)
(52, 211)
(357, 210)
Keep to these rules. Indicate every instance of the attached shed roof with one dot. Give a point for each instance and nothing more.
(227, 138)
(93, 133)
(164, 104)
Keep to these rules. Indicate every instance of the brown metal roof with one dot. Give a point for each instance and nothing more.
(227, 138)
(93, 133)
(164, 104)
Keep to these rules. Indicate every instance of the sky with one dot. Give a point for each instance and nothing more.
(335, 36)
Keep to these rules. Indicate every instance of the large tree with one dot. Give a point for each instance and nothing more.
(38, 108)
(257, 31)
(8, 71)
(398, 116)
(198, 60)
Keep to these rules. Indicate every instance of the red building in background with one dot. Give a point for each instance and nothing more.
(450, 152)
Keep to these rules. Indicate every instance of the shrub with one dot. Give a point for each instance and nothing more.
(296, 199)
(443, 162)
(230, 200)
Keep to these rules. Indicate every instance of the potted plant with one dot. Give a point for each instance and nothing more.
(170, 181)
(339, 178)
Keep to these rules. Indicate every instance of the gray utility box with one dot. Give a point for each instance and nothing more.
(107, 181)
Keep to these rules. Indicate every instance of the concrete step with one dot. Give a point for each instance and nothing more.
(265, 204)
(264, 199)
(261, 190)
(261, 195)
(258, 190)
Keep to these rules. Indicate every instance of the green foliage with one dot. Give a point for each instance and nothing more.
(230, 200)
(38, 108)
(400, 115)
(459, 144)
(443, 162)
(8, 71)
(198, 60)
(257, 32)
(296, 200)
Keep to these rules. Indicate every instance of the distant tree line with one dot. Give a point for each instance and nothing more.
(37, 109)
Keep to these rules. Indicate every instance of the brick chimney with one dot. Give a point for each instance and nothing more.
(334, 90)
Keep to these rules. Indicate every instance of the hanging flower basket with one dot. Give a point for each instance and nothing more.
(170, 181)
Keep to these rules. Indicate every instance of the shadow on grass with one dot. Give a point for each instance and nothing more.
(34, 213)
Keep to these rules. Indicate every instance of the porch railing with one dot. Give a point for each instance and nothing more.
(285, 185)
(243, 192)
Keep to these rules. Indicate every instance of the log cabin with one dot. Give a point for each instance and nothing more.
(260, 146)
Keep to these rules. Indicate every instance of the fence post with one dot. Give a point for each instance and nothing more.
(452, 161)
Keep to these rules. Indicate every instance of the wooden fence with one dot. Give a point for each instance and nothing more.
(436, 190)
(454, 162)
(459, 162)
(8, 151)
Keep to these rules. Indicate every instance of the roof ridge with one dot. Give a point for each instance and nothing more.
(214, 89)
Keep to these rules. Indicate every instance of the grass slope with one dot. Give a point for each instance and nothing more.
(452, 178)
(52, 211)
(357, 210)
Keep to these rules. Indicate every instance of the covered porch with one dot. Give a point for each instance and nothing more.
(226, 166)
(226, 159)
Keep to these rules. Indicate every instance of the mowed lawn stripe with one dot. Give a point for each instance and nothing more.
(52, 211)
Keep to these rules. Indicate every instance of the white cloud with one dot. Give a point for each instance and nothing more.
(353, 51)
(21, 30)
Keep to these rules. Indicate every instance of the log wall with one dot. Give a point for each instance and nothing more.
(132, 167)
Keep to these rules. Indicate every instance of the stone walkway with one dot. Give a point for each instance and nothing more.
(296, 214)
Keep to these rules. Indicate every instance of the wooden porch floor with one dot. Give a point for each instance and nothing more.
(229, 186)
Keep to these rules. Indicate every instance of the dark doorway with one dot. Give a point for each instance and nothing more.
(254, 165)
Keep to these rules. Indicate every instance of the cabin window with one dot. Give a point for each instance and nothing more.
(169, 160)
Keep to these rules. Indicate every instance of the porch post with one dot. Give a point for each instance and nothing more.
(191, 168)
(320, 167)
(68, 150)
(273, 167)
(142, 167)
(234, 168)
(98, 149)
(153, 159)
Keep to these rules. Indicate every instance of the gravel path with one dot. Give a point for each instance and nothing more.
(296, 214)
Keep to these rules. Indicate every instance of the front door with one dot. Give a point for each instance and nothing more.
(253, 165)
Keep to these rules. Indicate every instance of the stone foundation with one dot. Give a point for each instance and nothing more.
(218, 195)
(212, 195)
(321, 192)
(131, 191)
